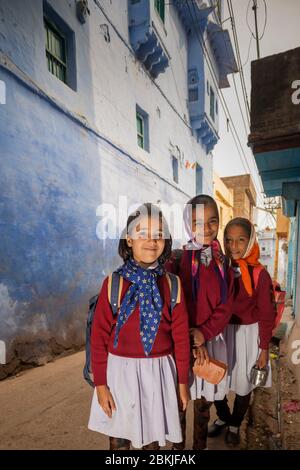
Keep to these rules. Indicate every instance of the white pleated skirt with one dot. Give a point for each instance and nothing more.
(145, 395)
(217, 349)
(243, 352)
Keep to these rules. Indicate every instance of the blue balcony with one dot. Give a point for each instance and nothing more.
(205, 131)
(223, 52)
(194, 17)
(145, 39)
(193, 14)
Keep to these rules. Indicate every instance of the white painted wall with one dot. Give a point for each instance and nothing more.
(123, 83)
(110, 82)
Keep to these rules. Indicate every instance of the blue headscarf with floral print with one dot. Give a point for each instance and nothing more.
(144, 290)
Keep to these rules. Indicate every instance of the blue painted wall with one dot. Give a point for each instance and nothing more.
(63, 153)
(51, 260)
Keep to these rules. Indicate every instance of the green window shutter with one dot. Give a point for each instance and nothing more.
(140, 130)
(55, 46)
(160, 8)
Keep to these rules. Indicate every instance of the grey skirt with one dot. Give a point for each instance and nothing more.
(217, 349)
(243, 352)
(144, 391)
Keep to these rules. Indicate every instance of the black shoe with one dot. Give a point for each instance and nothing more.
(232, 438)
(215, 429)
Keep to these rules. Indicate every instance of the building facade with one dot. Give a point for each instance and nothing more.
(107, 104)
(224, 199)
(244, 196)
(275, 140)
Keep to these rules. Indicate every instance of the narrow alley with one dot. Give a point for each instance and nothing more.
(150, 184)
(48, 408)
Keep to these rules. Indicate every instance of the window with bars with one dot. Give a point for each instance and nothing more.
(60, 47)
(55, 51)
(160, 8)
(175, 168)
(140, 130)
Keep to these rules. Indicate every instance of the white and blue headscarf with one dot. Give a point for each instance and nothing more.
(144, 290)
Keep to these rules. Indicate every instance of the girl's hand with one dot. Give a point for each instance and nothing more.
(201, 355)
(105, 400)
(263, 359)
(198, 338)
(184, 396)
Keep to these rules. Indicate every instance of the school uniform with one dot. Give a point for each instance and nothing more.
(251, 324)
(210, 312)
(144, 386)
(207, 313)
(250, 331)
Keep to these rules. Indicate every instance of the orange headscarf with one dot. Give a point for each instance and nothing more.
(250, 258)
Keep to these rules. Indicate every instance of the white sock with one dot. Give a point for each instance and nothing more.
(219, 422)
(234, 429)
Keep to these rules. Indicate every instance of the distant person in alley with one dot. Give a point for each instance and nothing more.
(250, 328)
(207, 282)
(140, 358)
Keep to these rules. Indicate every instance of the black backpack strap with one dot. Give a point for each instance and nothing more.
(115, 284)
(87, 367)
(175, 289)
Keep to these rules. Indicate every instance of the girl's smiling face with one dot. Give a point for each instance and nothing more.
(147, 241)
(205, 224)
(236, 241)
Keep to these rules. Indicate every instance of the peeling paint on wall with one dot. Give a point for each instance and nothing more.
(7, 310)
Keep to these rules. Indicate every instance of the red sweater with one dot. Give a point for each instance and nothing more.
(172, 335)
(257, 308)
(208, 314)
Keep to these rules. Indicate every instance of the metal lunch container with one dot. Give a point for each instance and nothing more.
(258, 376)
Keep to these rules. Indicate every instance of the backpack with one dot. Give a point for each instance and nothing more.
(115, 283)
(278, 295)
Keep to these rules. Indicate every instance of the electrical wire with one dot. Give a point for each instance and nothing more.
(242, 79)
(221, 96)
(176, 86)
(243, 84)
(265, 23)
(223, 103)
(248, 53)
(239, 103)
(240, 66)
